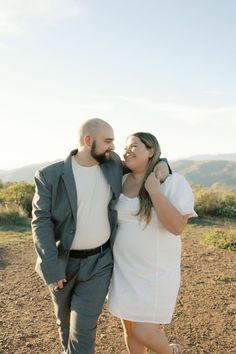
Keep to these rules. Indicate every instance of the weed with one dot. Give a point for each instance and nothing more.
(220, 238)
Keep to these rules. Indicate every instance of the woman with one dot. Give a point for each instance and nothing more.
(147, 249)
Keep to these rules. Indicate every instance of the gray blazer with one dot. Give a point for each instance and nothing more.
(55, 212)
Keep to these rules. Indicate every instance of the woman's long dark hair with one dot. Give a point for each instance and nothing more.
(150, 142)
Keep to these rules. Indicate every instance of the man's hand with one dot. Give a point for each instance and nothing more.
(59, 284)
(161, 170)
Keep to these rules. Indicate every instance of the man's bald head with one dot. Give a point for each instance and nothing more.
(92, 127)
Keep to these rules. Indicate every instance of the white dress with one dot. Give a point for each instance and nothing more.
(146, 275)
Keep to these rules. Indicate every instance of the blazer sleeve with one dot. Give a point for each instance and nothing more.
(50, 264)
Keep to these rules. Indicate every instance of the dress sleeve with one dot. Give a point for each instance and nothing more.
(178, 191)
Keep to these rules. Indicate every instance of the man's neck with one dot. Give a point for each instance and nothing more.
(84, 159)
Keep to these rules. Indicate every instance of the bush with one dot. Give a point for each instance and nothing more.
(229, 211)
(26, 205)
(13, 216)
(20, 194)
(221, 239)
(215, 202)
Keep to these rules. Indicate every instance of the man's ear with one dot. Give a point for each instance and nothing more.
(87, 140)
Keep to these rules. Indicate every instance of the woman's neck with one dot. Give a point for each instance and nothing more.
(138, 176)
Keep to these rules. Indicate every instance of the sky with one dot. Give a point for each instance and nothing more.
(167, 67)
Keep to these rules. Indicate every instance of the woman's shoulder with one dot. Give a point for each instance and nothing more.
(175, 181)
(175, 177)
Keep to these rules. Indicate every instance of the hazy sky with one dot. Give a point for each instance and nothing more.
(164, 66)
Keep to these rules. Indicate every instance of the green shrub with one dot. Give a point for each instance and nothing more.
(19, 194)
(221, 239)
(228, 211)
(215, 202)
(13, 215)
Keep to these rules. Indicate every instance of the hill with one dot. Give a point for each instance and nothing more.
(207, 173)
(202, 172)
(25, 173)
(226, 157)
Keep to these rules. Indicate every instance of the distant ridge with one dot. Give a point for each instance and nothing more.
(225, 157)
(207, 173)
(217, 171)
(25, 173)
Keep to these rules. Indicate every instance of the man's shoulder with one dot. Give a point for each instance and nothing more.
(113, 165)
(57, 165)
(115, 162)
(51, 170)
(114, 157)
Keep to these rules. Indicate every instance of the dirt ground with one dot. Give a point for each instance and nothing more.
(204, 319)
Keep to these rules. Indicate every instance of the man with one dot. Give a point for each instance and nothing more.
(74, 225)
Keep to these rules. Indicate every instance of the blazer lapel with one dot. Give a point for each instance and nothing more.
(69, 181)
(112, 179)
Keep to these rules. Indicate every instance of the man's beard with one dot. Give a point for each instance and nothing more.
(100, 158)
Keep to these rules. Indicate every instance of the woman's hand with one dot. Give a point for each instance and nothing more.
(152, 183)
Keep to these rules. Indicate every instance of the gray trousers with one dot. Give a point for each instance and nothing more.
(79, 304)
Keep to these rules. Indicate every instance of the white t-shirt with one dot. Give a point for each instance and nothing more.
(93, 196)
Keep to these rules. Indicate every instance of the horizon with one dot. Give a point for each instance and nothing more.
(167, 68)
(198, 156)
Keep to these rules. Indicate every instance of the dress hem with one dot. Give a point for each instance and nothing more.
(130, 318)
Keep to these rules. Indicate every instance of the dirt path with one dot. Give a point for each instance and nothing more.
(204, 320)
